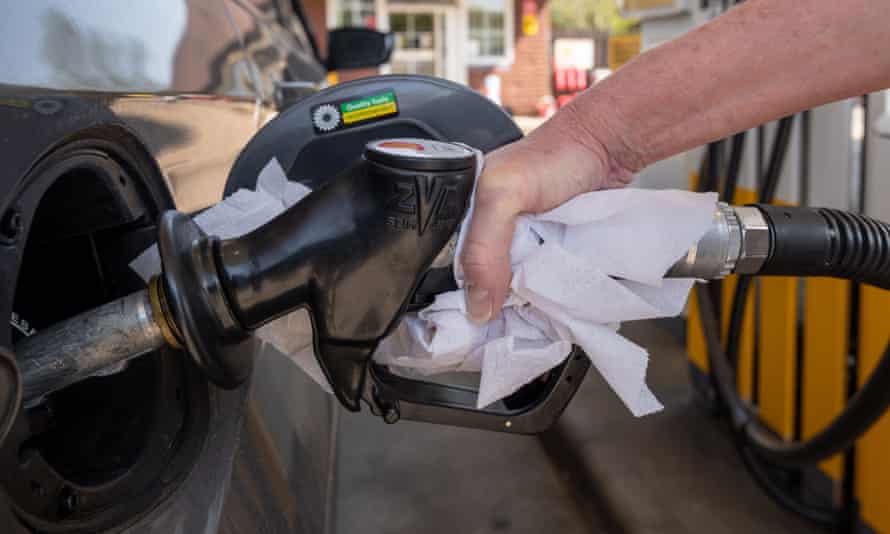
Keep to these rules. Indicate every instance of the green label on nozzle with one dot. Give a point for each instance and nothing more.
(345, 113)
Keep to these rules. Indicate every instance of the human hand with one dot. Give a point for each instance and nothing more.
(556, 162)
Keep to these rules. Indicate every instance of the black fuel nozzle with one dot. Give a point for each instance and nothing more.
(352, 253)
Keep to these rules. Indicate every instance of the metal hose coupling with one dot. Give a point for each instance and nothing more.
(738, 241)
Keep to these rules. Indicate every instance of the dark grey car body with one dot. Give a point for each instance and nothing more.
(164, 94)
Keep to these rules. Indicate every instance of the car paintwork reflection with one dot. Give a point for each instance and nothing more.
(182, 80)
(192, 80)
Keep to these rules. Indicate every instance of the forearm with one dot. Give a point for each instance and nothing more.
(761, 61)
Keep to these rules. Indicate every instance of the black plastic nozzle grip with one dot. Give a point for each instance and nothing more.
(352, 253)
(827, 242)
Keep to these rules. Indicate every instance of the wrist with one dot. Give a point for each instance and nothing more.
(594, 121)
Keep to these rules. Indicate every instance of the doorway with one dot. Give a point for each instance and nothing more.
(425, 41)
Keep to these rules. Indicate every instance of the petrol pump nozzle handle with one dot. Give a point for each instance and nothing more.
(351, 253)
(738, 241)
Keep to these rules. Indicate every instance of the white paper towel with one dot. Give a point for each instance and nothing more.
(578, 271)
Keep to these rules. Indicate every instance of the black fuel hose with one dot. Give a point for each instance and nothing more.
(813, 242)
(825, 516)
(767, 192)
(819, 242)
(827, 242)
(861, 412)
(732, 179)
(736, 152)
(838, 244)
(776, 160)
(724, 381)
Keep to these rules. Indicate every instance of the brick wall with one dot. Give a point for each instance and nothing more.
(528, 79)
(315, 12)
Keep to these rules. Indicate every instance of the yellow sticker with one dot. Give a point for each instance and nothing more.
(387, 108)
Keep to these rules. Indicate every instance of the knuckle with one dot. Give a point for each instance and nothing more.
(483, 264)
(504, 182)
(476, 255)
(499, 192)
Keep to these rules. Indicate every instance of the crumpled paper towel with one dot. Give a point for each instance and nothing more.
(578, 271)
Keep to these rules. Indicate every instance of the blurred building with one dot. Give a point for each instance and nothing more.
(467, 41)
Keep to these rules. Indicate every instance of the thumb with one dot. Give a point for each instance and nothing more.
(486, 251)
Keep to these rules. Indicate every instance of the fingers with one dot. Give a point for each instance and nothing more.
(534, 174)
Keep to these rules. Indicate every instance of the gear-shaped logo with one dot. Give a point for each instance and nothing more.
(326, 118)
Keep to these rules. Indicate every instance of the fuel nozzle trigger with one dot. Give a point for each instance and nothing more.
(530, 410)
